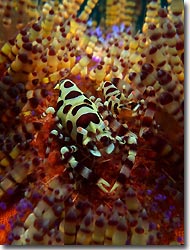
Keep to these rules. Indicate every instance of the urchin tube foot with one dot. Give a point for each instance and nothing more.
(103, 185)
(122, 178)
(115, 186)
(95, 152)
(110, 148)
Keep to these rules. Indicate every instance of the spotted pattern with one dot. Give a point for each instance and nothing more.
(81, 120)
(113, 96)
(77, 111)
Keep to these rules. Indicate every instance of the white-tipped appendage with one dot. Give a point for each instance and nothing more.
(82, 131)
(110, 148)
(50, 110)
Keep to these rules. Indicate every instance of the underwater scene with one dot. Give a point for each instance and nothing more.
(92, 122)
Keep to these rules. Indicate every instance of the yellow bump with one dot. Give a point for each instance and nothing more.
(92, 74)
(70, 227)
(175, 60)
(84, 234)
(91, 5)
(66, 63)
(177, 6)
(166, 67)
(89, 50)
(61, 226)
(15, 152)
(84, 40)
(2, 59)
(19, 41)
(30, 94)
(111, 227)
(76, 69)
(84, 61)
(174, 243)
(52, 62)
(145, 27)
(4, 162)
(18, 174)
(26, 113)
(100, 74)
(6, 184)
(180, 76)
(6, 49)
(99, 230)
(120, 235)
(134, 58)
(83, 16)
(136, 67)
(45, 80)
(177, 69)
(17, 65)
(133, 45)
(108, 76)
(1, 193)
(83, 72)
(29, 220)
(74, 26)
(159, 58)
(54, 77)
